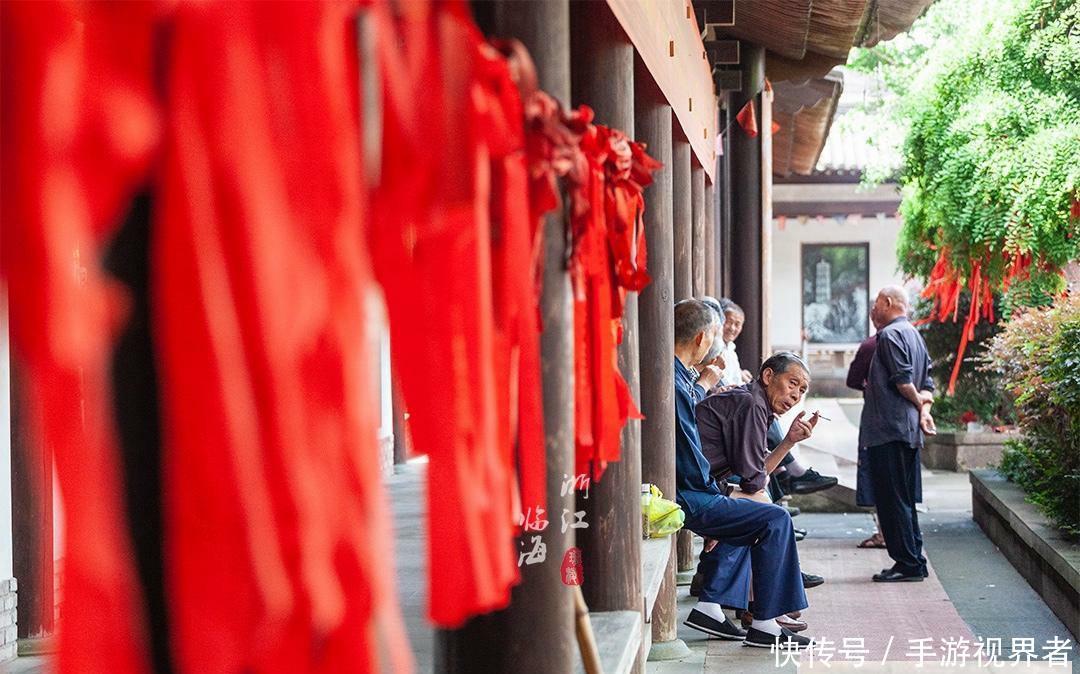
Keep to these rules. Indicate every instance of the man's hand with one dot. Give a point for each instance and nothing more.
(926, 422)
(801, 429)
(747, 377)
(926, 397)
(710, 377)
(718, 362)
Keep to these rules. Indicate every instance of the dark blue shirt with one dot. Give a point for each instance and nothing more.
(900, 357)
(694, 486)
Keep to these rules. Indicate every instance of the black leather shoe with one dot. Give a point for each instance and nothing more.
(893, 576)
(809, 482)
(786, 639)
(713, 627)
(792, 510)
(800, 534)
(695, 584)
(925, 572)
(809, 580)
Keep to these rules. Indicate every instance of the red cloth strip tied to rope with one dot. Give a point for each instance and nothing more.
(608, 260)
(944, 286)
(79, 129)
(473, 150)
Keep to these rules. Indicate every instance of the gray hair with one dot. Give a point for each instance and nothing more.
(692, 317)
(780, 361)
(715, 305)
(729, 305)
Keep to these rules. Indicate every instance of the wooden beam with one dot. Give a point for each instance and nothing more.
(727, 80)
(722, 52)
(667, 36)
(716, 12)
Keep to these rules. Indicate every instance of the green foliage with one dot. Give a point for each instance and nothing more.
(978, 390)
(1038, 357)
(991, 159)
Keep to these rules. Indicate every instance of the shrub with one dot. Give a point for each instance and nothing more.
(1038, 357)
(978, 390)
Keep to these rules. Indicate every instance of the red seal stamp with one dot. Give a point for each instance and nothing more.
(572, 571)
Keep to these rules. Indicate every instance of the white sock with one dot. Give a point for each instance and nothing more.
(714, 611)
(768, 626)
(795, 469)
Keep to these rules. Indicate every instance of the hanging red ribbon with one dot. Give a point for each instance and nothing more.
(944, 286)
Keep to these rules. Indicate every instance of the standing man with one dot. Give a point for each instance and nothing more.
(896, 414)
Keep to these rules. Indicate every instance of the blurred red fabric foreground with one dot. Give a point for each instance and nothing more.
(269, 246)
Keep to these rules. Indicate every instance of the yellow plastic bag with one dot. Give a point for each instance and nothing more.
(664, 517)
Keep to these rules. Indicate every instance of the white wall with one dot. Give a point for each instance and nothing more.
(879, 232)
(5, 443)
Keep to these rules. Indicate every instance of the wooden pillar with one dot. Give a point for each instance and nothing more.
(747, 288)
(535, 633)
(653, 127)
(682, 233)
(681, 205)
(32, 516)
(401, 439)
(602, 76)
(710, 239)
(697, 225)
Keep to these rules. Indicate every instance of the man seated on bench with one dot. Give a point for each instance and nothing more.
(762, 530)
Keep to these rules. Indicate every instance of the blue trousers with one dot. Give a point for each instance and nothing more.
(756, 541)
(894, 470)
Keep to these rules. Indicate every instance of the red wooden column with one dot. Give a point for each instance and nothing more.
(535, 634)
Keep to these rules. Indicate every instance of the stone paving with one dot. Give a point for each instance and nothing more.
(973, 591)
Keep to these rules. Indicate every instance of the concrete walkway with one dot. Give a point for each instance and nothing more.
(972, 592)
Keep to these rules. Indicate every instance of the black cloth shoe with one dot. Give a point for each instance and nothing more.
(711, 626)
(695, 584)
(809, 482)
(786, 639)
(894, 576)
(809, 580)
(799, 533)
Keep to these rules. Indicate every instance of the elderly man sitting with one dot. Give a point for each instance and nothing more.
(734, 424)
(763, 530)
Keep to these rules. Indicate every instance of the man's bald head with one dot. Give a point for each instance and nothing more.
(891, 303)
(896, 294)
